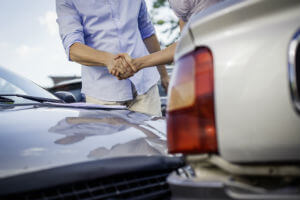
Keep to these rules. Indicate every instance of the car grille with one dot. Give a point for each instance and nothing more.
(131, 186)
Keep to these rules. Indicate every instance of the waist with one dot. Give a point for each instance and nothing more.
(98, 83)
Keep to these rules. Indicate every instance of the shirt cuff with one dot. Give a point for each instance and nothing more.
(70, 40)
(147, 32)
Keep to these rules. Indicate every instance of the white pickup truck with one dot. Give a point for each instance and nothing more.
(234, 102)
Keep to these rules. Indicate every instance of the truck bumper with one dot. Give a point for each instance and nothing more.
(184, 188)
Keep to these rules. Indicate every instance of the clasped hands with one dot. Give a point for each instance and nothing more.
(122, 66)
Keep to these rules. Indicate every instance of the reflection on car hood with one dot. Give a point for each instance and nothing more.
(34, 138)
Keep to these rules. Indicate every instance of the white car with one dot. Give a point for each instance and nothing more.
(234, 102)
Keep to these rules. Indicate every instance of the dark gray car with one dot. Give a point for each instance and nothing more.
(53, 150)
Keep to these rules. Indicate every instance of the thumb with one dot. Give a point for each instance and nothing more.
(128, 59)
(120, 55)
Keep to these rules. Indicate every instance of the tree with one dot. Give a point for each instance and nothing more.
(165, 21)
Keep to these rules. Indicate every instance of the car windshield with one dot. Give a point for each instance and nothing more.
(13, 84)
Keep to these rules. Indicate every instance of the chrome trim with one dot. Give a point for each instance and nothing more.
(292, 70)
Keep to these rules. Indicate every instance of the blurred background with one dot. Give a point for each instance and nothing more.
(30, 44)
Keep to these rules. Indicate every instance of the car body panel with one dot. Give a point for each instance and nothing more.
(249, 40)
(186, 44)
(45, 137)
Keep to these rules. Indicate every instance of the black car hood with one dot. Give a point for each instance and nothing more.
(34, 138)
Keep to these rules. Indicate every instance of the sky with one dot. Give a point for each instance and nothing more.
(30, 44)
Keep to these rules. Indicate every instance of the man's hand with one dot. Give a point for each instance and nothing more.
(112, 64)
(128, 68)
(117, 67)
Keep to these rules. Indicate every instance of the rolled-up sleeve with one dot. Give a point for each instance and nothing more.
(145, 25)
(70, 25)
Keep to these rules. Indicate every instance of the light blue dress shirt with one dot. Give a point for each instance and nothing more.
(115, 26)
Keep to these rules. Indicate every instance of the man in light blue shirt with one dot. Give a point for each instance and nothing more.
(93, 32)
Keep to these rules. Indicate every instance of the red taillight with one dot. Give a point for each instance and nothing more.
(191, 114)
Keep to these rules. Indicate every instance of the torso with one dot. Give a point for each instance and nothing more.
(112, 26)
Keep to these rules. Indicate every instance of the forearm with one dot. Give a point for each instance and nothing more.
(162, 57)
(153, 46)
(88, 56)
(157, 57)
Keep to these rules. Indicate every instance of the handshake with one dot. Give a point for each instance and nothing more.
(122, 66)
